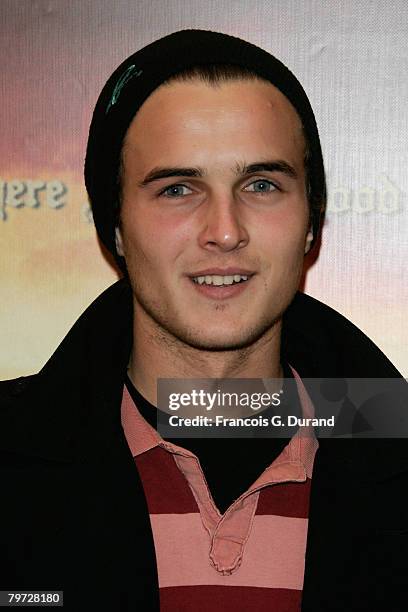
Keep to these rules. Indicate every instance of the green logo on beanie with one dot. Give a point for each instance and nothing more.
(129, 73)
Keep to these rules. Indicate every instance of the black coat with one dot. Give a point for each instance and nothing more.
(74, 515)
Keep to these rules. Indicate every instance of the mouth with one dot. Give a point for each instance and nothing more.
(221, 284)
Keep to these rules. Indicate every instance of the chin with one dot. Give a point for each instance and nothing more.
(220, 340)
(226, 336)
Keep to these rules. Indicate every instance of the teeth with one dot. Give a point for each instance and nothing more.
(218, 280)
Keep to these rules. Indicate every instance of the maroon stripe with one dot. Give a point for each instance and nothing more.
(228, 599)
(285, 499)
(166, 488)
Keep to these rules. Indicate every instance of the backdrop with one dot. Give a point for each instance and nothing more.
(351, 57)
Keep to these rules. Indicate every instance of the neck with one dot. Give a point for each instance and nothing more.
(158, 354)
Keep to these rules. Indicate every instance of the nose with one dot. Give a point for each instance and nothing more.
(223, 228)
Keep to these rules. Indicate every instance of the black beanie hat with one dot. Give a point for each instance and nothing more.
(141, 73)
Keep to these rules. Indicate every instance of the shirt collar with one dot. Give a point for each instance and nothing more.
(142, 437)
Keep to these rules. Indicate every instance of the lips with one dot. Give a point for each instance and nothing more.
(222, 272)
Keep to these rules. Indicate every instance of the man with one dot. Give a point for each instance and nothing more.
(206, 178)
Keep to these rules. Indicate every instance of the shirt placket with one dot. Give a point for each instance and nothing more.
(229, 533)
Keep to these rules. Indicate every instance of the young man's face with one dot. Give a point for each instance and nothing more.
(227, 222)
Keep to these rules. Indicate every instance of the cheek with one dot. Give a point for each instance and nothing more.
(284, 232)
(153, 240)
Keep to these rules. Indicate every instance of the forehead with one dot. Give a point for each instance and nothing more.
(241, 113)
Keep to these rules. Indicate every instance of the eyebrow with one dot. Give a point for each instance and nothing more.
(240, 170)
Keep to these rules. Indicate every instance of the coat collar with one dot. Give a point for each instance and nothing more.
(70, 410)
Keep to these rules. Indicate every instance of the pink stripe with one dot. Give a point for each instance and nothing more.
(140, 436)
(273, 557)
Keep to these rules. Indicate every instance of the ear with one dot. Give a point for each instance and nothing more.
(119, 242)
(309, 240)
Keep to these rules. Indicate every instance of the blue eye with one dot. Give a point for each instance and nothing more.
(261, 186)
(175, 191)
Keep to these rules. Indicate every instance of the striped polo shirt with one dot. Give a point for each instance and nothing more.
(249, 558)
